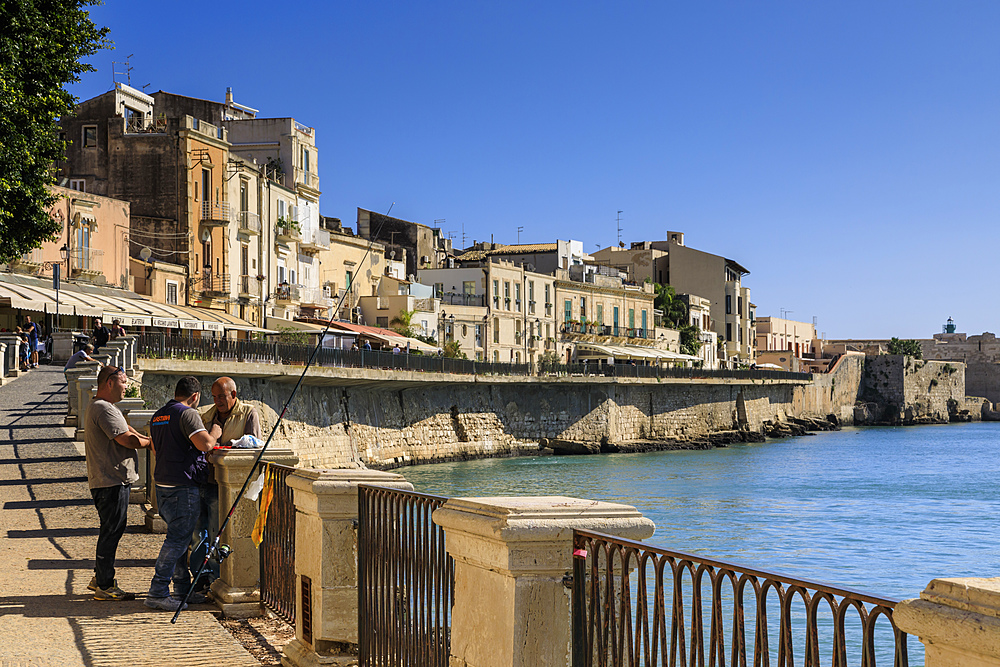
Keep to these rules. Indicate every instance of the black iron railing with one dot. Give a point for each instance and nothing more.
(636, 605)
(277, 549)
(664, 372)
(405, 580)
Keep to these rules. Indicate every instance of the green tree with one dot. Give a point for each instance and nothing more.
(675, 311)
(41, 50)
(453, 350)
(910, 348)
(402, 323)
(690, 342)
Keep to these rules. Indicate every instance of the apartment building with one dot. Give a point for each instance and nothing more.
(424, 246)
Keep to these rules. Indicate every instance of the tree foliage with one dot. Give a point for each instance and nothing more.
(402, 323)
(675, 311)
(42, 48)
(453, 350)
(910, 348)
(690, 341)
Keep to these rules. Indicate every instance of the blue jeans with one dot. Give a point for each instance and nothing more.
(205, 531)
(179, 506)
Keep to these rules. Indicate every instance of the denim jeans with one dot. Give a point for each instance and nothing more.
(205, 531)
(179, 506)
(112, 508)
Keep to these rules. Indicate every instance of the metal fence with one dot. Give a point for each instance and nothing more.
(405, 580)
(636, 605)
(277, 549)
(652, 371)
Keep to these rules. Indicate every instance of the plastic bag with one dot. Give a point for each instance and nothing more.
(247, 442)
(254, 488)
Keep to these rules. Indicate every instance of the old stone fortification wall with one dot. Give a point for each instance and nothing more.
(896, 388)
(386, 424)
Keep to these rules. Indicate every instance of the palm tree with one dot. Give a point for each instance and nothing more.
(402, 323)
(675, 311)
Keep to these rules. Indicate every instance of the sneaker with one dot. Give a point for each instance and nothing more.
(195, 598)
(93, 584)
(112, 592)
(166, 604)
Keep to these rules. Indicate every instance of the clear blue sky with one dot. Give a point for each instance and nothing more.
(846, 153)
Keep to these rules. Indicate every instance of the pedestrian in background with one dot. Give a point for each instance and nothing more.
(100, 336)
(31, 329)
(110, 445)
(180, 440)
(117, 330)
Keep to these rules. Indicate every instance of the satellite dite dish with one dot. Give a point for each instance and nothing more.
(145, 254)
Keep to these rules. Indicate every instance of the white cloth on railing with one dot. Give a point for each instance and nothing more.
(247, 442)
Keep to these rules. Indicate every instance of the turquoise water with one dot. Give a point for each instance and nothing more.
(881, 510)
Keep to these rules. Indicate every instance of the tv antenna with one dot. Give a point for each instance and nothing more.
(127, 72)
(619, 221)
(519, 230)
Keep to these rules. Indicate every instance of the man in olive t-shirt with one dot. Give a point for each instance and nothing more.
(111, 470)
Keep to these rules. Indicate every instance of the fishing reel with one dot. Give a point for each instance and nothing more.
(221, 552)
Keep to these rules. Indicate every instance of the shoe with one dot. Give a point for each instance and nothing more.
(93, 584)
(196, 598)
(166, 604)
(112, 592)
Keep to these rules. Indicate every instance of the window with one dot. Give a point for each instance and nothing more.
(244, 196)
(548, 330)
(465, 331)
(496, 356)
(349, 278)
(583, 309)
(631, 318)
(438, 290)
(172, 292)
(547, 299)
(496, 330)
(517, 297)
(729, 304)
(568, 306)
(206, 184)
(469, 287)
(739, 330)
(729, 331)
(615, 323)
(479, 335)
(382, 322)
(506, 294)
(90, 136)
(739, 306)
(600, 314)
(78, 184)
(281, 209)
(496, 293)
(644, 320)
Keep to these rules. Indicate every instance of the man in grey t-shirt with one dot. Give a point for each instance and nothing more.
(111, 470)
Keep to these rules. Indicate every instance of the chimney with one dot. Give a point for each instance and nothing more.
(229, 95)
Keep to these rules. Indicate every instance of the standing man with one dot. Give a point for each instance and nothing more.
(101, 335)
(233, 418)
(111, 470)
(31, 329)
(180, 440)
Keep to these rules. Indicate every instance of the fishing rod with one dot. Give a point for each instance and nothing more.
(214, 549)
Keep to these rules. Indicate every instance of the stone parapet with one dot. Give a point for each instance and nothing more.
(237, 591)
(512, 558)
(326, 505)
(958, 621)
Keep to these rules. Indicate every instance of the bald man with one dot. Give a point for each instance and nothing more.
(227, 419)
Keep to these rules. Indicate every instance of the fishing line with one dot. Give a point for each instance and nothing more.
(214, 549)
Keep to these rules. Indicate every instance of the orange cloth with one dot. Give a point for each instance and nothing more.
(266, 495)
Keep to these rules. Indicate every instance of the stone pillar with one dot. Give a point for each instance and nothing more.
(115, 353)
(84, 368)
(62, 346)
(139, 420)
(11, 362)
(326, 506)
(958, 621)
(512, 607)
(84, 385)
(131, 353)
(3, 360)
(236, 590)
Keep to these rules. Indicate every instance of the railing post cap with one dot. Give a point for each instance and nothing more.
(341, 481)
(232, 458)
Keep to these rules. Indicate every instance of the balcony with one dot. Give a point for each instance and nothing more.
(250, 287)
(139, 124)
(307, 178)
(286, 233)
(314, 240)
(29, 262)
(249, 223)
(214, 284)
(86, 263)
(316, 297)
(216, 213)
(285, 293)
(456, 299)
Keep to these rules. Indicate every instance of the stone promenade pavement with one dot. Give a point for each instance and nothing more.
(48, 530)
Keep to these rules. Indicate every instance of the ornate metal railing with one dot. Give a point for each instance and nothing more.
(277, 550)
(637, 605)
(405, 580)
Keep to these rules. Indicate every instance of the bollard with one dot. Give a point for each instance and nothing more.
(86, 385)
(139, 420)
(326, 507)
(73, 375)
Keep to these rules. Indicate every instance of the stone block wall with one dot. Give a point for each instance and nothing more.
(908, 390)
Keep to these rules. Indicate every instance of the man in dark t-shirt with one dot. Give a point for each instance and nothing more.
(180, 441)
(101, 335)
